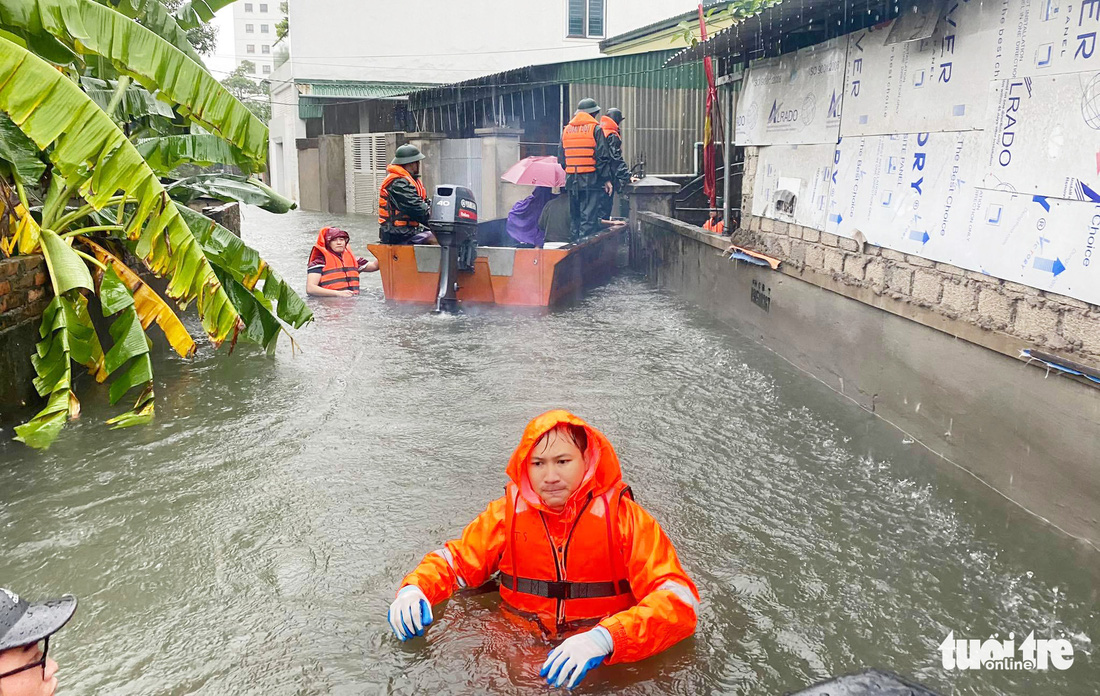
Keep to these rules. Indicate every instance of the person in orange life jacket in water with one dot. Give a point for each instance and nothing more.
(714, 223)
(573, 550)
(333, 270)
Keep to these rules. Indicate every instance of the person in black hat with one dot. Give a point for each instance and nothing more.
(584, 155)
(25, 630)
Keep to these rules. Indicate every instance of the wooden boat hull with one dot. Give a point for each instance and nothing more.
(501, 275)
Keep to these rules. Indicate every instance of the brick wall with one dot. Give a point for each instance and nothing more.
(24, 290)
(1042, 320)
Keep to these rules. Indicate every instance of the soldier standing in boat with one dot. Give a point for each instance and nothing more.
(586, 158)
(620, 173)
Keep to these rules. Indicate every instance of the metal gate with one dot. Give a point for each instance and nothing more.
(365, 158)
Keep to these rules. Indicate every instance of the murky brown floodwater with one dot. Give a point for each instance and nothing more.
(250, 540)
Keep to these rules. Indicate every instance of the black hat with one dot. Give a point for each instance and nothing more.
(23, 623)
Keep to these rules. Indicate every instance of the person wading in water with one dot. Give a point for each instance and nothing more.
(576, 556)
(333, 270)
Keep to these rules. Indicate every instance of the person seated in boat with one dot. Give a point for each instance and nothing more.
(576, 557)
(25, 630)
(403, 207)
(714, 223)
(523, 218)
(333, 270)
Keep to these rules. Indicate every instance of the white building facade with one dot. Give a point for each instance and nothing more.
(254, 34)
(380, 44)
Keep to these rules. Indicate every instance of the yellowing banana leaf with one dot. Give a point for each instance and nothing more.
(53, 111)
(133, 50)
(228, 252)
(67, 269)
(228, 188)
(152, 15)
(166, 153)
(67, 334)
(141, 414)
(23, 231)
(150, 307)
(17, 148)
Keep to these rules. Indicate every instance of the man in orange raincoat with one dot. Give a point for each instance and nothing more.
(573, 551)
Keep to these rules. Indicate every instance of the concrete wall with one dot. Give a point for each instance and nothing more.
(308, 174)
(330, 164)
(1031, 437)
(433, 41)
(24, 294)
(285, 129)
(961, 302)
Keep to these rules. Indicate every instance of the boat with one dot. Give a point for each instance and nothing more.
(499, 274)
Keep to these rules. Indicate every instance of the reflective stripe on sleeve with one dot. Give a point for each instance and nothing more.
(683, 592)
(446, 555)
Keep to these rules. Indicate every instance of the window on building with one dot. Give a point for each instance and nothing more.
(252, 68)
(248, 7)
(263, 7)
(265, 49)
(267, 70)
(263, 28)
(586, 18)
(249, 29)
(250, 48)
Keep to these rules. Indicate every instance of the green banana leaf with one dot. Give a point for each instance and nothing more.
(166, 153)
(67, 270)
(152, 15)
(261, 326)
(199, 12)
(228, 188)
(52, 110)
(17, 149)
(136, 103)
(160, 67)
(131, 346)
(67, 335)
(227, 252)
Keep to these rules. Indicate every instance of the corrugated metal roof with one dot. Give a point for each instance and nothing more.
(314, 94)
(636, 70)
(669, 23)
(789, 26)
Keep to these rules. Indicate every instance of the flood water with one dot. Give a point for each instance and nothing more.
(251, 539)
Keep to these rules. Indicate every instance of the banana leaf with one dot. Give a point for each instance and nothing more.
(130, 346)
(22, 228)
(152, 15)
(136, 103)
(150, 307)
(67, 270)
(133, 50)
(17, 148)
(228, 188)
(166, 153)
(67, 335)
(199, 12)
(229, 253)
(261, 325)
(52, 110)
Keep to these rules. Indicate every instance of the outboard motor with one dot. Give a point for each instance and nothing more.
(454, 222)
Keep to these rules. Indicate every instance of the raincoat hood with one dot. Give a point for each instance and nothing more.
(323, 238)
(601, 472)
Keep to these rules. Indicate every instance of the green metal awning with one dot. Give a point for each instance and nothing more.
(314, 94)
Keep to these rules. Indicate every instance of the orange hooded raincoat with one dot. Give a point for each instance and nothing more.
(662, 601)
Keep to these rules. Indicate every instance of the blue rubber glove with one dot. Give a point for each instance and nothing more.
(575, 656)
(410, 613)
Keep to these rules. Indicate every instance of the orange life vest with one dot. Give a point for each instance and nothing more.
(608, 126)
(717, 227)
(579, 142)
(576, 584)
(340, 272)
(389, 213)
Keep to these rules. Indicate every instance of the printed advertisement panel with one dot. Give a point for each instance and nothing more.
(910, 193)
(1046, 243)
(1045, 37)
(793, 99)
(931, 85)
(1044, 136)
(792, 183)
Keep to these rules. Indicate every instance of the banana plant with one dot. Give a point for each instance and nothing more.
(82, 89)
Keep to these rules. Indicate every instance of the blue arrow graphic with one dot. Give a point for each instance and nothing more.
(835, 217)
(1054, 266)
(1042, 200)
(919, 236)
